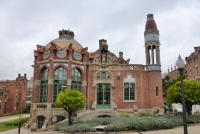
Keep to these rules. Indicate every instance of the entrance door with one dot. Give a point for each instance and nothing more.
(103, 96)
(40, 121)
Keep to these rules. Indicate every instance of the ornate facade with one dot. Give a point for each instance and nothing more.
(109, 82)
(191, 68)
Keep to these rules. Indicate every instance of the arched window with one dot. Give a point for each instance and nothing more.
(60, 77)
(196, 69)
(76, 80)
(44, 86)
(103, 75)
(156, 90)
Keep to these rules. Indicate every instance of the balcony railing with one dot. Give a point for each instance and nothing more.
(43, 105)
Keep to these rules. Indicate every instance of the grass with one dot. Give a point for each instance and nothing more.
(8, 125)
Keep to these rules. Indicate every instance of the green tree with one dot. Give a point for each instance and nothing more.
(191, 92)
(71, 101)
(166, 83)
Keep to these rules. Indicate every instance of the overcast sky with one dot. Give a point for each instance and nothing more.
(24, 24)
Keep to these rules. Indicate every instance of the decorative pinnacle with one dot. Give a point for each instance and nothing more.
(66, 34)
(179, 57)
(150, 17)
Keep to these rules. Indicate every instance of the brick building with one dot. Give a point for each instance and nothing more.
(191, 68)
(12, 91)
(109, 82)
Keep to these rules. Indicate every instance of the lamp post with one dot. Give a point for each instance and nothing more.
(180, 64)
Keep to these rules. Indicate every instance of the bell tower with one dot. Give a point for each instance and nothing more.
(153, 65)
(152, 44)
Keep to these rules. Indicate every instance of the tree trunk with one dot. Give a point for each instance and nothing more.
(188, 108)
(70, 117)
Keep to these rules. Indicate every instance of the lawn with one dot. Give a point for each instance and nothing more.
(8, 125)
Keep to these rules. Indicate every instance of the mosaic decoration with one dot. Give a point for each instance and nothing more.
(129, 79)
(151, 38)
(55, 64)
(79, 66)
(66, 65)
(153, 67)
(41, 65)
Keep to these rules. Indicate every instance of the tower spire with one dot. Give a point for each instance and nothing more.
(152, 44)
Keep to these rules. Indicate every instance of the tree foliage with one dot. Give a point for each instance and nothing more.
(191, 92)
(71, 101)
(166, 83)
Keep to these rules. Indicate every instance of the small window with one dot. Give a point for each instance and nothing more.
(189, 61)
(103, 75)
(108, 77)
(197, 70)
(1, 93)
(190, 72)
(17, 89)
(156, 90)
(195, 59)
(98, 77)
(16, 98)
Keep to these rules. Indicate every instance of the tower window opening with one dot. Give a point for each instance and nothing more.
(197, 70)
(103, 75)
(156, 90)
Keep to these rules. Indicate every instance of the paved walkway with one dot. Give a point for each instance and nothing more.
(12, 117)
(195, 129)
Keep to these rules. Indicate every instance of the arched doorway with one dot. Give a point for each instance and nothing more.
(57, 118)
(40, 121)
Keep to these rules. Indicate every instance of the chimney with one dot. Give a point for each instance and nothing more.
(120, 54)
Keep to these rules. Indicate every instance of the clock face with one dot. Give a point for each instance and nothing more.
(61, 53)
(77, 55)
(46, 54)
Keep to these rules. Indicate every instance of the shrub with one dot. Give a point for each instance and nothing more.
(143, 123)
(146, 114)
(124, 115)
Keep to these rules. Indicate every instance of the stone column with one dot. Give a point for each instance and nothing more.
(152, 54)
(69, 75)
(84, 85)
(50, 83)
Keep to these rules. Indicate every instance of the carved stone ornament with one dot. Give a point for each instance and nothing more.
(37, 82)
(84, 83)
(50, 81)
(129, 79)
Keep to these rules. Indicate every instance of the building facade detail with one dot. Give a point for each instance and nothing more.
(191, 68)
(109, 82)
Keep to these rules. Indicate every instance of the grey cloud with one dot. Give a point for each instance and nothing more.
(25, 24)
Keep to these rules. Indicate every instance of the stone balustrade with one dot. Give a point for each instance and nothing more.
(43, 105)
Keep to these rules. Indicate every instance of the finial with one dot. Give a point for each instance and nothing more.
(150, 17)
(66, 34)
